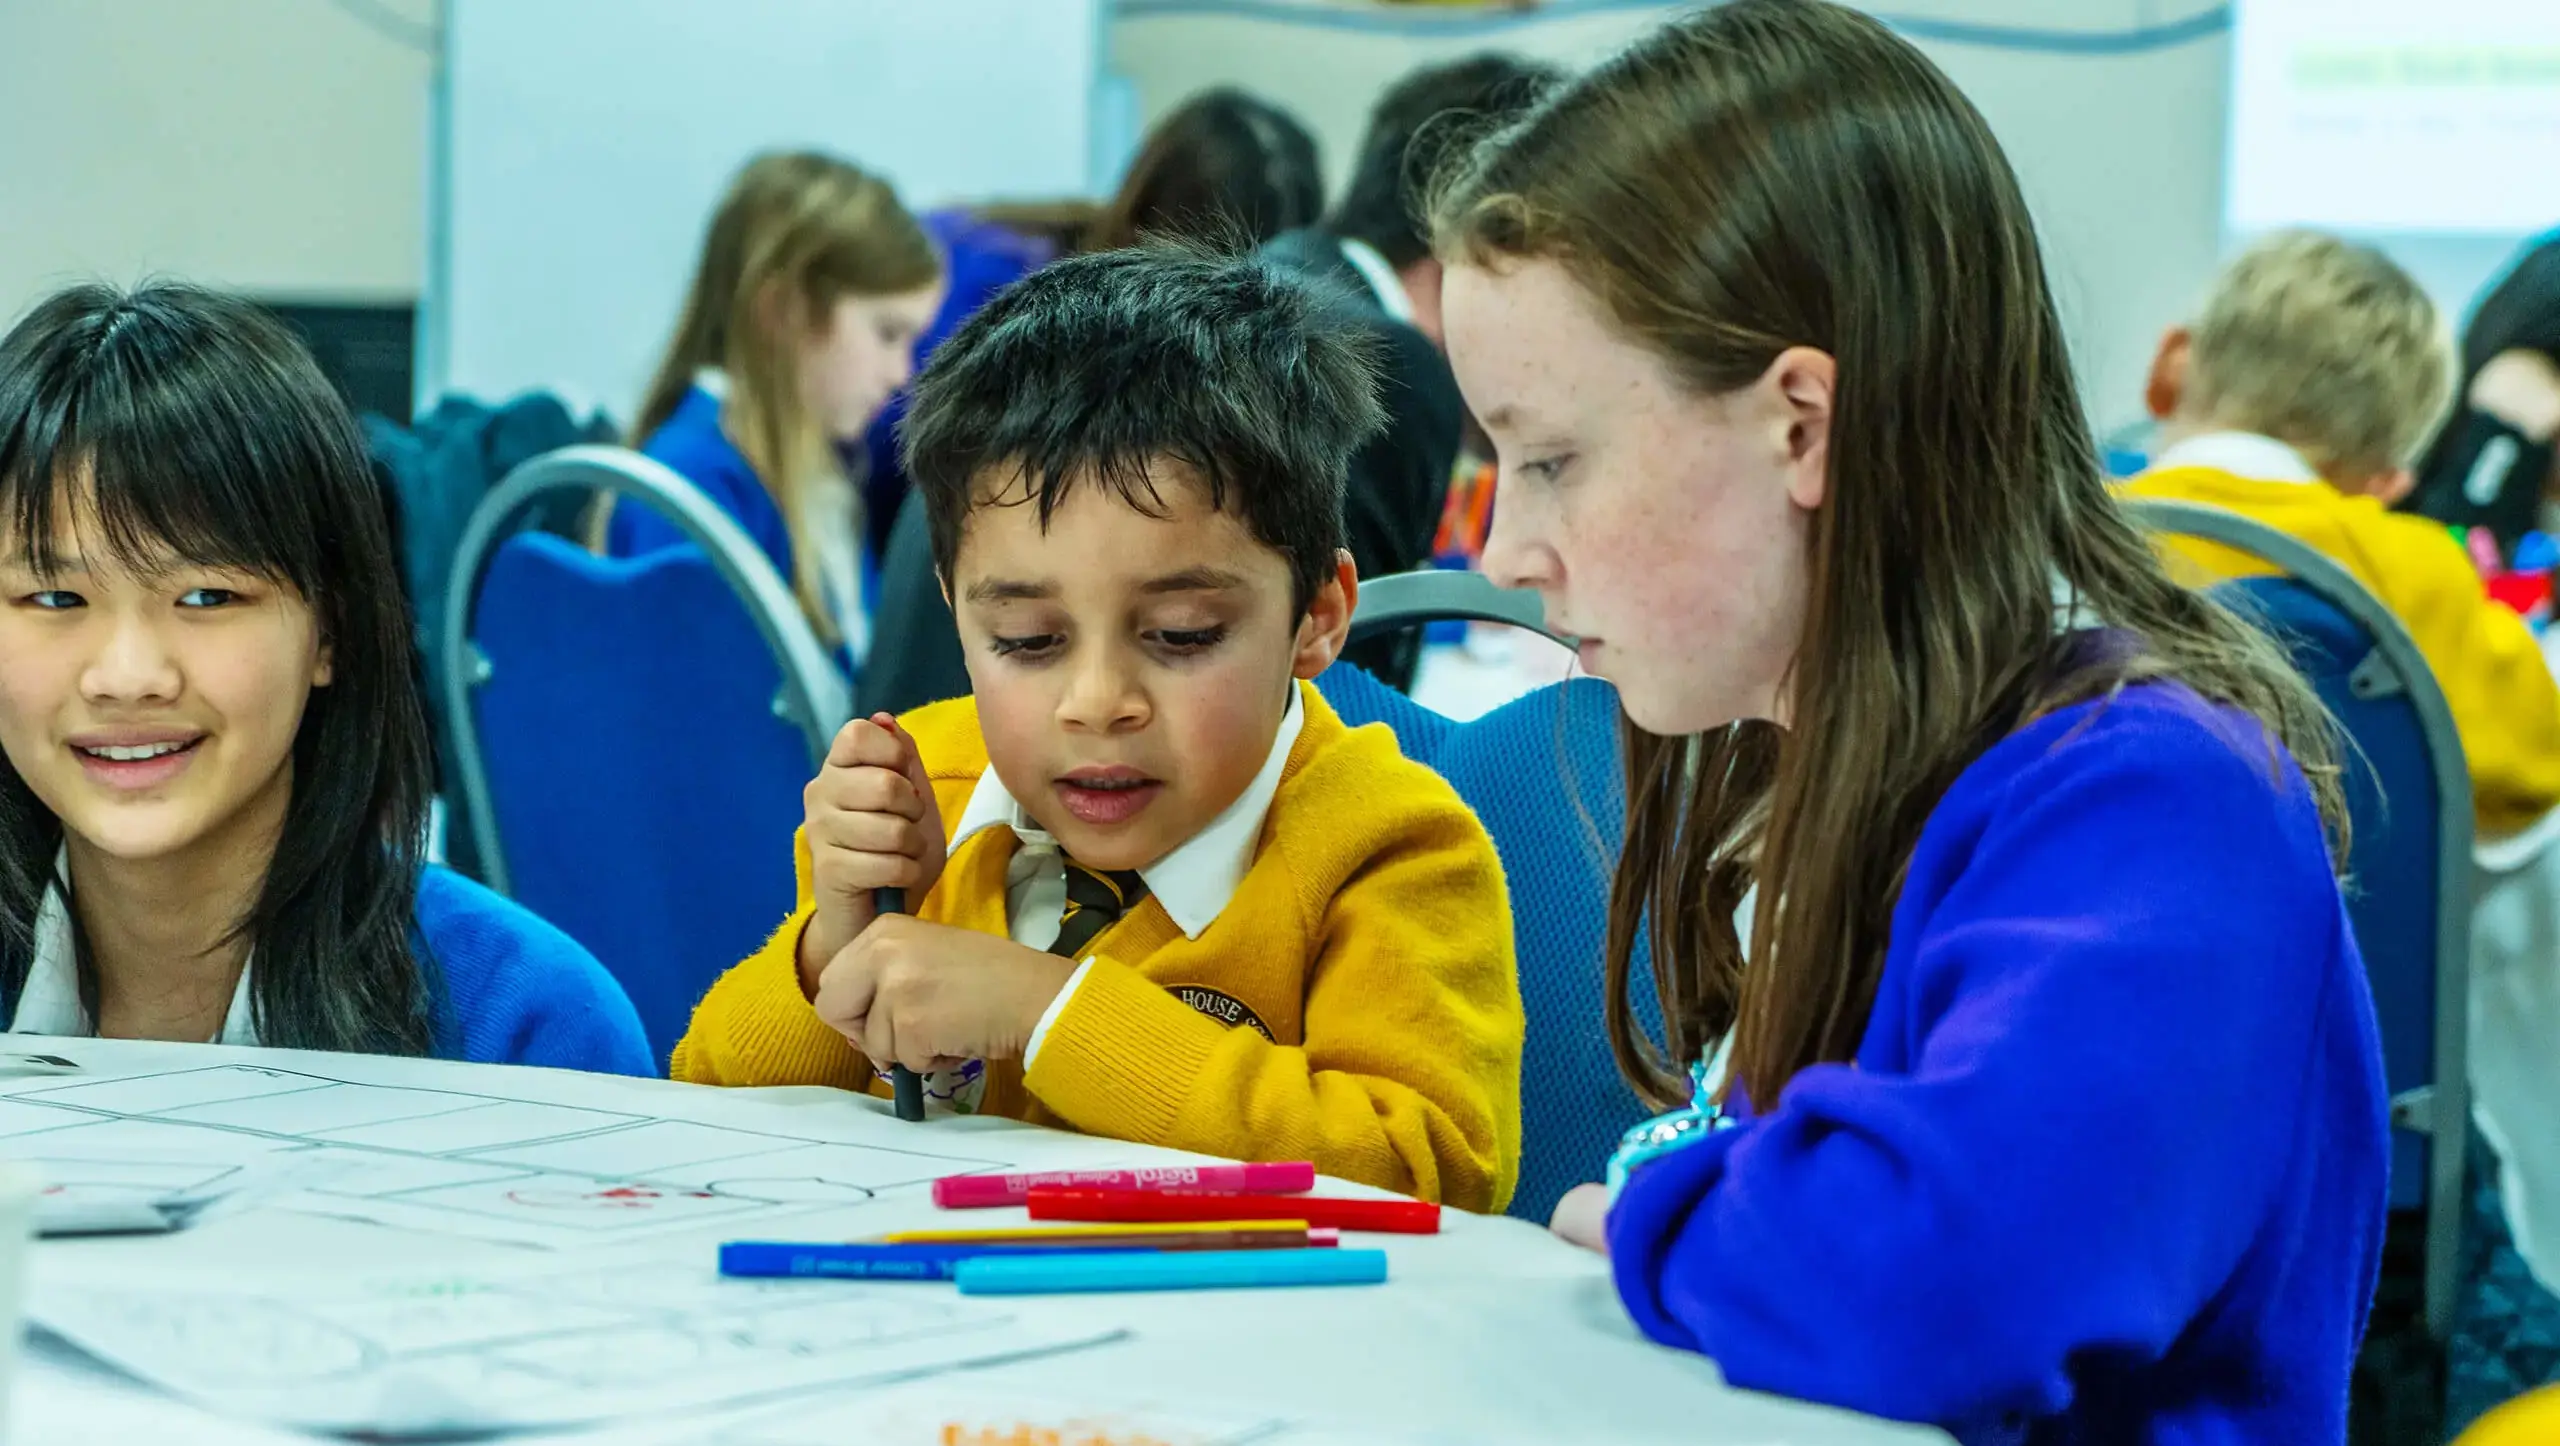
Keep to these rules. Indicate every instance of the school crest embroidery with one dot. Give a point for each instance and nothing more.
(1223, 1007)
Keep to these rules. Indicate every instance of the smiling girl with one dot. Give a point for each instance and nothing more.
(213, 802)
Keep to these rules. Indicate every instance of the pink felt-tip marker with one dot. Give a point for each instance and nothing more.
(986, 1192)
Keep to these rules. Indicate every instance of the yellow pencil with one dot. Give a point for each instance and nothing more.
(1074, 1234)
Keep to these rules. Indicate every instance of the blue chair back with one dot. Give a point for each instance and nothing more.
(1361, 699)
(634, 743)
(2398, 837)
(2409, 862)
(1544, 774)
(1543, 771)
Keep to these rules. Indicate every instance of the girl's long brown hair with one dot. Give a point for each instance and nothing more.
(796, 232)
(1777, 173)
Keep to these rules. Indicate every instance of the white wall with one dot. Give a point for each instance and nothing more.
(586, 142)
(2121, 155)
(274, 145)
(279, 145)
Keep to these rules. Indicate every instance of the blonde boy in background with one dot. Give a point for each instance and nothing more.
(2300, 397)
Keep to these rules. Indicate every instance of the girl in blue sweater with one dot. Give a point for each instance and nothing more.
(215, 784)
(2036, 1093)
(813, 285)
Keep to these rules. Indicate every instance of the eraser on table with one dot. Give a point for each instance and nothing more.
(1395, 1217)
(978, 1192)
(1194, 1270)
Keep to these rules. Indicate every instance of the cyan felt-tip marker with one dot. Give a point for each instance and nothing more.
(1092, 1271)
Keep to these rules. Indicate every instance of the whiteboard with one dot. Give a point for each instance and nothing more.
(578, 146)
(2387, 115)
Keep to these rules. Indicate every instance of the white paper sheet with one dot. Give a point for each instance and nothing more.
(530, 1171)
(1492, 1332)
(951, 1413)
(465, 1351)
(969, 1412)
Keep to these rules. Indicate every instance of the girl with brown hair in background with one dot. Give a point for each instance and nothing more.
(801, 322)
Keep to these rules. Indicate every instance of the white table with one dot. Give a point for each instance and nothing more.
(1492, 1330)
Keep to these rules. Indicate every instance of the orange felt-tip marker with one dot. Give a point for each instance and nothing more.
(1391, 1217)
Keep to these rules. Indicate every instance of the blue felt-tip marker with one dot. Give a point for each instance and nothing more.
(767, 1259)
(1070, 1272)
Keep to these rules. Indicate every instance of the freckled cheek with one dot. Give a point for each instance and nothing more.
(1629, 561)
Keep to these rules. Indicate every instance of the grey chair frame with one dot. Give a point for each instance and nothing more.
(1410, 599)
(2441, 1110)
(813, 697)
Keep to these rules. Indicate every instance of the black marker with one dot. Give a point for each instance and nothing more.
(905, 1084)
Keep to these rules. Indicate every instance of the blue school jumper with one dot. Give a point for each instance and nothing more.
(690, 442)
(507, 987)
(2110, 1165)
(515, 990)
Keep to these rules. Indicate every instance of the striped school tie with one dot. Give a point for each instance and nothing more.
(1095, 901)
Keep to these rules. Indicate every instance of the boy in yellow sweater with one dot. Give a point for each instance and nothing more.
(1161, 891)
(2300, 397)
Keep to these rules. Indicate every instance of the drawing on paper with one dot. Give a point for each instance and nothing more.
(610, 1199)
(91, 1178)
(948, 1413)
(447, 1160)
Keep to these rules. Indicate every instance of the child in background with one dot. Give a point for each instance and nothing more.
(1162, 892)
(2300, 397)
(801, 323)
(1223, 168)
(2496, 464)
(215, 793)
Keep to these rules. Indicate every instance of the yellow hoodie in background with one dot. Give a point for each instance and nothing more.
(2505, 702)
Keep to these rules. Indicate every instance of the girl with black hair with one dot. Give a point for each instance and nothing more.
(214, 792)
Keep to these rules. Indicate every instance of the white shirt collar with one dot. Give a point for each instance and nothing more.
(712, 380)
(2072, 612)
(50, 1002)
(2242, 454)
(1383, 281)
(1195, 881)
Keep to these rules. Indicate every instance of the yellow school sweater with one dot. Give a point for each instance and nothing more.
(2489, 664)
(1370, 937)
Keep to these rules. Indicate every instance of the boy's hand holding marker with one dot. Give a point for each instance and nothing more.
(903, 990)
(930, 996)
(871, 824)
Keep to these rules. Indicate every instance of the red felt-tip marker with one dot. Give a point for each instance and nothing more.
(980, 1192)
(1392, 1217)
